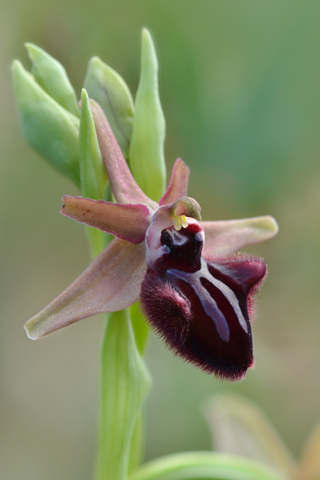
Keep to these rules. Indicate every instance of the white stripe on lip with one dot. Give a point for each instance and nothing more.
(209, 304)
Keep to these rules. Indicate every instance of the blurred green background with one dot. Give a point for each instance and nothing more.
(239, 83)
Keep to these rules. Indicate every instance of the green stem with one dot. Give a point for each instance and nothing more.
(140, 327)
(124, 385)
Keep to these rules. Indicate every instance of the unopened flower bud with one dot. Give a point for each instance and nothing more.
(48, 127)
(52, 77)
(107, 87)
(146, 154)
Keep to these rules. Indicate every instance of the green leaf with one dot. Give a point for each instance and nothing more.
(52, 77)
(93, 175)
(204, 466)
(239, 427)
(108, 88)
(124, 385)
(146, 153)
(49, 129)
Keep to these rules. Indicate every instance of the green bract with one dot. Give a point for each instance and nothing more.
(52, 77)
(146, 154)
(108, 88)
(48, 127)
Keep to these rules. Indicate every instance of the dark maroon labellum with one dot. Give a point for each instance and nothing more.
(201, 308)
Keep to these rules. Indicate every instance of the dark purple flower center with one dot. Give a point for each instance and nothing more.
(201, 308)
(182, 248)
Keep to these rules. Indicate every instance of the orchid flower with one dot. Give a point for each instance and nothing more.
(193, 292)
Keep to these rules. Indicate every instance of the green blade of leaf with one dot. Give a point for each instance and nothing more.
(49, 129)
(108, 88)
(52, 77)
(204, 465)
(124, 386)
(146, 153)
(239, 427)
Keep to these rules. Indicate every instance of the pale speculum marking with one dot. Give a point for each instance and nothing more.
(209, 304)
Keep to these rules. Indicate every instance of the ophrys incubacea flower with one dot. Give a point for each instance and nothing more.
(193, 293)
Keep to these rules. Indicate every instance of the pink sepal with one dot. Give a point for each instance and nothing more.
(228, 236)
(124, 187)
(112, 282)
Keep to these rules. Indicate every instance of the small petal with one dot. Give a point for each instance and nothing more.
(178, 185)
(112, 282)
(124, 187)
(228, 236)
(128, 222)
